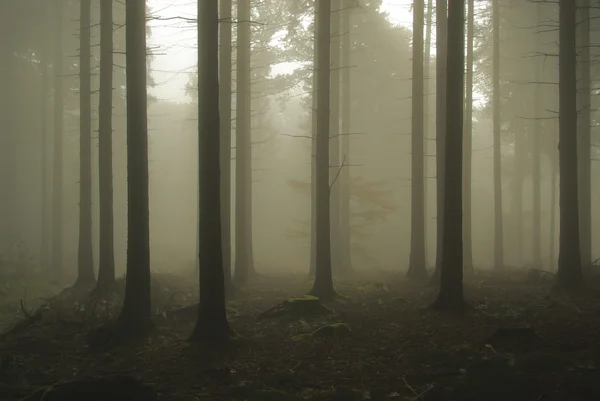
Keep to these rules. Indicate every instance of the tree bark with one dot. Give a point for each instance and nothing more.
(136, 315)
(428, 120)
(85, 253)
(243, 150)
(334, 132)
(225, 27)
(468, 141)
(569, 253)
(212, 325)
(57, 181)
(345, 227)
(441, 33)
(313, 149)
(106, 268)
(323, 284)
(44, 199)
(498, 215)
(584, 134)
(417, 270)
(450, 296)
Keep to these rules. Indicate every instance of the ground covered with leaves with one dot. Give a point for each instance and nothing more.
(379, 340)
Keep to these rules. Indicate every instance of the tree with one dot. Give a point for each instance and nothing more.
(584, 134)
(44, 199)
(136, 315)
(450, 296)
(468, 139)
(212, 325)
(441, 32)
(225, 27)
(569, 256)
(416, 268)
(106, 265)
(536, 175)
(334, 133)
(85, 257)
(323, 284)
(243, 150)
(345, 238)
(57, 181)
(498, 217)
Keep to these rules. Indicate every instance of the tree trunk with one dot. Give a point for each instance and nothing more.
(584, 135)
(106, 268)
(441, 32)
(323, 285)
(450, 295)
(468, 141)
(313, 149)
(225, 129)
(243, 149)
(136, 315)
(345, 228)
(212, 325)
(536, 174)
(569, 253)
(551, 248)
(85, 254)
(428, 119)
(334, 133)
(417, 270)
(44, 200)
(57, 181)
(498, 215)
(517, 182)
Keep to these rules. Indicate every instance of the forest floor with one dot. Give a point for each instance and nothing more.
(397, 348)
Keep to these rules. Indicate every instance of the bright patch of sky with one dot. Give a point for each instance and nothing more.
(173, 43)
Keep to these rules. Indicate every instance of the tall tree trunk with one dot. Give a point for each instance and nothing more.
(498, 215)
(428, 119)
(136, 315)
(441, 32)
(345, 228)
(334, 133)
(569, 253)
(323, 285)
(106, 268)
(468, 146)
(584, 135)
(57, 181)
(536, 174)
(243, 149)
(212, 325)
(44, 201)
(517, 182)
(313, 149)
(450, 295)
(225, 27)
(85, 256)
(416, 267)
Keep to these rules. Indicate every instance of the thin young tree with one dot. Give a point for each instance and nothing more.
(536, 168)
(498, 215)
(569, 254)
(441, 32)
(212, 325)
(323, 284)
(85, 256)
(225, 28)
(468, 139)
(427, 125)
(243, 149)
(106, 265)
(57, 168)
(450, 296)
(136, 314)
(313, 148)
(417, 270)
